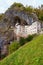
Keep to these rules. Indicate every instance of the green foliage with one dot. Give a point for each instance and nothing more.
(13, 47)
(39, 13)
(41, 16)
(3, 56)
(29, 54)
(22, 41)
(29, 38)
(1, 16)
(17, 6)
(29, 9)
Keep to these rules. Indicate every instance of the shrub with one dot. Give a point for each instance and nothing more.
(30, 37)
(13, 47)
(22, 41)
(3, 56)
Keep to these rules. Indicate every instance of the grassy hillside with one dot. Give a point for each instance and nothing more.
(30, 54)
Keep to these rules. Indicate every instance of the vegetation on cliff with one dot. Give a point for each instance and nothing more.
(1, 16)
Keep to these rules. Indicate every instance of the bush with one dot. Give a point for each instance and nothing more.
(3, 56)
(30, 37)
(22, 41)
(13, 47)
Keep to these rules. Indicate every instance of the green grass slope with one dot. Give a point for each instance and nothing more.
(30, 54)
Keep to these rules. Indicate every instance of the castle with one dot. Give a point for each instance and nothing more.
(23, 31)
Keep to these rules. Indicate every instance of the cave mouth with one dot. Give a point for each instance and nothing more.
(19, 21)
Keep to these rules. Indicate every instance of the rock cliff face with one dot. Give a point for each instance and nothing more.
(11, 17)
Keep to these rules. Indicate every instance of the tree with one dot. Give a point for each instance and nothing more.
(39, 13)
(29, 9)
(17, 6)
